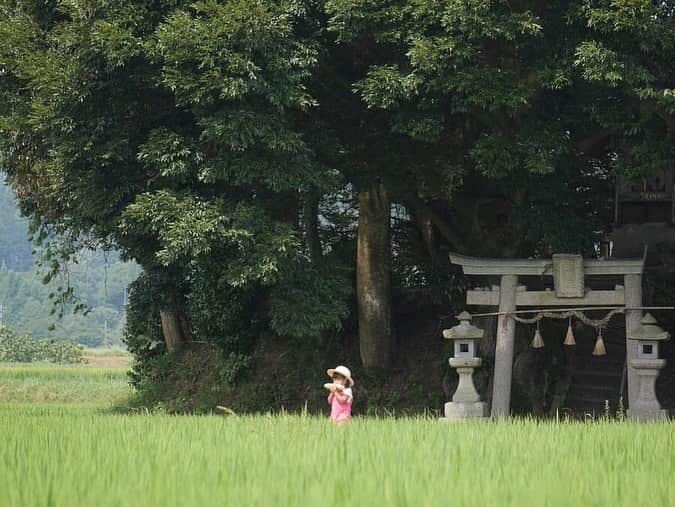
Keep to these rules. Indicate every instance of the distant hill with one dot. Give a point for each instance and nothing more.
(15, 249)
(100, 280)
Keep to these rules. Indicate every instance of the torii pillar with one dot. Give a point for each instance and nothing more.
(568, 272)
(504, 346)
(633, 287)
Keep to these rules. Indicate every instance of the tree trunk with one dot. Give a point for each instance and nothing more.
(425, 212)
(311, 226)
(426, 229)
(373, 277)
(172, 324)
(171, 327)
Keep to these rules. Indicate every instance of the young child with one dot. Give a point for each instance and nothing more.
(340, 397)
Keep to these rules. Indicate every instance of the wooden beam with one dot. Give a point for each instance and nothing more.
(548, 298)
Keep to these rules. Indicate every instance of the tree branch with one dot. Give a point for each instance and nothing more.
(592, 143)
(441, 224)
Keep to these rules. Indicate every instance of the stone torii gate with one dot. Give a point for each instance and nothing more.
(568, 272)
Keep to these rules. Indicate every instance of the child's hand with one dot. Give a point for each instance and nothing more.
(330, 386)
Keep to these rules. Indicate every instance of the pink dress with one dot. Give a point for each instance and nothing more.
(341, 412)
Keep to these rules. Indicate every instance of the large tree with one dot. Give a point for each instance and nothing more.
(181, 133)
(208, 141)
(494, 89)
(628, 52)
(466, 114)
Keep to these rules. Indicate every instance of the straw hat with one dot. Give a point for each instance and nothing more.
(344, 371)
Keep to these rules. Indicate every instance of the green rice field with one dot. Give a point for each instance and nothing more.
(46, 383)
(74, 451)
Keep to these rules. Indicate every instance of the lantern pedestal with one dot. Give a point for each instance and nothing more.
(646, 406)
(465, 402)
(643, 405)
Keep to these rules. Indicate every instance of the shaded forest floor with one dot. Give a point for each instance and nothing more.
(289, 376)
(419, 381)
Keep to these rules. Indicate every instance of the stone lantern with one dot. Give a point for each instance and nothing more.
(647, 366)
(466, 402)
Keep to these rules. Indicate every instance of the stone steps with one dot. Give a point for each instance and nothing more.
(598, 391)
(581, 406)
(605, 364)
(595, 375)
(596, 378)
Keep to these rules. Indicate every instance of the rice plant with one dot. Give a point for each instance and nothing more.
(47, 383)
(71, 456)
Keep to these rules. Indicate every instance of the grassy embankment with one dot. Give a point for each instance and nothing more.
(102, 380)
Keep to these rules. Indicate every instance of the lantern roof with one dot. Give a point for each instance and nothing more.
(649, 330)
(464, 330)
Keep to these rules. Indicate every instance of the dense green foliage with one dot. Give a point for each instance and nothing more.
(627, 52)
(204, 154)
(494, 87)
(78, 456)
(22, 348)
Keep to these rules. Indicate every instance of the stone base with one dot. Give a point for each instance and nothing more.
(647, 415)
(465, 410)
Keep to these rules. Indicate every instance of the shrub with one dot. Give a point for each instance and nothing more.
(191, 380)
(22, 348)
(233, 367)
(17, 348)
(59, 351)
